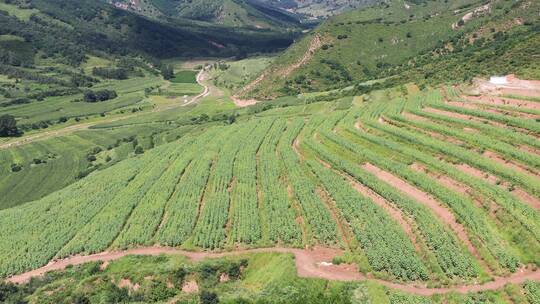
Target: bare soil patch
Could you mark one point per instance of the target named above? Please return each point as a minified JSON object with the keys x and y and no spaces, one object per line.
{"x":503,"y":101}
{"x":243,"y":102}
{"x":529,"y":149}
{"x":514,"y":86}
{"x":390,"y":209}
{"x":445,"y":215}
{"x":511,"y":164}
{"x":190,"y":287}
{"x":492,"y":179}
{"x":126,"y":283}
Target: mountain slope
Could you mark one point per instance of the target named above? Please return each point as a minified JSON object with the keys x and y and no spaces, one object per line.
{"x":45,"y":44}
{"x":317,"y":9}
{"x":234,"y":13}
{"x":382,"y":40}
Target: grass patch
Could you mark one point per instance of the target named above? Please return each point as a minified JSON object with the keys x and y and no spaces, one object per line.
{"x":185,"y":77}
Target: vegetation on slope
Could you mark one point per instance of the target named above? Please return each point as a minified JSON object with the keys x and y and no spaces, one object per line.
{"x":428,"y":41}
{"x":235,"y":13}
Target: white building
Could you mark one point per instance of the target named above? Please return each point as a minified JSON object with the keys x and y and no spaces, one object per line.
{"x":498,"y":80}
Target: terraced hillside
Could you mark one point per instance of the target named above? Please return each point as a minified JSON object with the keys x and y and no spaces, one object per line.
{"x":433,"y":187}
{"x":427,"y":42}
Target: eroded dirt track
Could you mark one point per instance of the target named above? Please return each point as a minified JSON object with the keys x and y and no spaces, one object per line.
{"x":310,"y":263}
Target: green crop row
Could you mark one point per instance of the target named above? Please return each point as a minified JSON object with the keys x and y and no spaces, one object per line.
{"x":509,"y":135}
{"x":99,"y":233}
{"x":182,"y":210}
{"x":211,"y":228}
{"x":386,"y":246}
{"x":476,"y":139}
{"x":35,"y":232}
{"x":462,"y":206}
{"x":246,"y":222}
{"x":320,"y":221}
{"x":452,"y":257}
{"x":278,"y":211}
{"x":527,"y":124}
{"x":522,"y":220}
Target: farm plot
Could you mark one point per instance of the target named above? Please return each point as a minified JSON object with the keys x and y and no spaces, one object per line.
{"x":412,"y":195}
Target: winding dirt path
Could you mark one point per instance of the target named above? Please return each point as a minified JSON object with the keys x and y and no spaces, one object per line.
{"x":283,"y":72}
{"x":84,"y":126}
{"x":310,"y":263}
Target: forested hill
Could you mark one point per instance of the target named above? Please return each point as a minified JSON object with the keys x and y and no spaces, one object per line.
{"x":234,"y":13}
{"x":71,"y":28}
{"x":424,"y":41}
{"x":49,"y":49}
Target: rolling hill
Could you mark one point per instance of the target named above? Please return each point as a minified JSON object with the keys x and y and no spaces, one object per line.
{"x":404,"y":39}
{"x":234,"y":13}
{"x":317,"y":9}
{"x":48,"y":48}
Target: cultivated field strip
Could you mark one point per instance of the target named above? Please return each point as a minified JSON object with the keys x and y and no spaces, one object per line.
{"x":277,"y":210}
{"x":317,"y":216}
{"x":182,"y":209}
{"x":477,"y":140}
{"x":146,"y":216}
{"x":452,"y":258}
{"x":414,"y":195}
{"x":525,"y":124}
{"x":98,"y":234}
{"x":246,"y":221}
{"x":517,"y":211}
{"x":462,"y":206}
{"x":211,"y":228}
{"x":508,"y":135}
{"x":529,"y":183}
{"x":386,"y":246}
{"x":33,"y":233}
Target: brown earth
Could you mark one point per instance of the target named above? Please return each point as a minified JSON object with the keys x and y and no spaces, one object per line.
{"x":511,"y":164}
{"x":310,"y":263}
{"x":442,"y":213}
{"x":515,"y":86}
{"x":503,"y":101}
{"x":190,"y":287}
{"x":490,"y":178}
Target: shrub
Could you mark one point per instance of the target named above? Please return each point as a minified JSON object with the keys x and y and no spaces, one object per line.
{"x":208,"y":297}
{"x":16,"y":168}
{"x":97,"y":96}
{"x":139,"y":150}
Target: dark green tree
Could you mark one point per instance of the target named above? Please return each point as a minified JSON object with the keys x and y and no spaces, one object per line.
{"x":208,"y":297}
{"x":167,"y":71}
{"x":8,"y":126}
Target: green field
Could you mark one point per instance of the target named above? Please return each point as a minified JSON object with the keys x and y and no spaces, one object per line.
{"x":154,"y":198}
{"x":178,"y":153}
{"x":185,"y":77}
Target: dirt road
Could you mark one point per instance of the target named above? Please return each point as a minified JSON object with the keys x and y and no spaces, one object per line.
{"x":310,"y":263}
{"x":84,"y":126}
